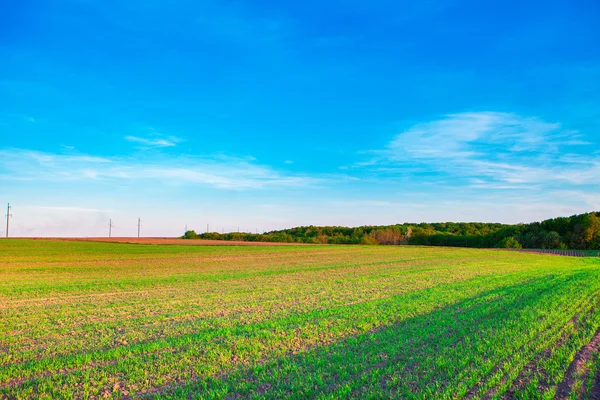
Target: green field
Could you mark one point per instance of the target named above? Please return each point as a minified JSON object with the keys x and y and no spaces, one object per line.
{"x":106,"y":320}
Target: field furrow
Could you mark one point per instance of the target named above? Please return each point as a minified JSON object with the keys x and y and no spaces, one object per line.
{"x":113,"y":320}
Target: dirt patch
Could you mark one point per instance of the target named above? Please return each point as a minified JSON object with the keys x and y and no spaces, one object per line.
{"x":564,"y":253}
{"x":520,"y":382}
{"x":595,"y":395}
{"x":577,"y":366}
{"x":175,"y":241}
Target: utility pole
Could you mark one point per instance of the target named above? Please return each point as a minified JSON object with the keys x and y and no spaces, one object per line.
{"x":110,"y":226}
{"x":139,"y":226}
{"x":8,"y":215}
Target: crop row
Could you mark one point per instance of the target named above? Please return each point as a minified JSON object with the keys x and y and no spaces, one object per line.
{"x":90,"y":320}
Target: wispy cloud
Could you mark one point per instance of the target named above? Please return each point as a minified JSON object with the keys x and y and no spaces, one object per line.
{"x":499,"y":150}
{"x":590,"y":199}
{"x":477,"y":134}
{"x":219,"y":171}
{"x":375,"y":204}
{"x":66,"y":208}
{"x":156,"y":141}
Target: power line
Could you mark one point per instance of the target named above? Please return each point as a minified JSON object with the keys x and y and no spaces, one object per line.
{"x":8,"y":216}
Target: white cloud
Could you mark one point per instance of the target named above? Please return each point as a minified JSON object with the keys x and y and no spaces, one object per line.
{"x":171,"y":141}
{"x":220,"y":172}
{"x":502,"y":149}
{"x":375,"y":204}
{"x":590,"y":200}
{"x":482,"y":184}
{"x":446,"y":138}
{"x":66,"y":208}
{"x":476,"y":133}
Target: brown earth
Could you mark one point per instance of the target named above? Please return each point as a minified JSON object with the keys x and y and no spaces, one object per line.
{"x":595,"y":395}
{"x":577,"y":366}
{"x":177,"y":241}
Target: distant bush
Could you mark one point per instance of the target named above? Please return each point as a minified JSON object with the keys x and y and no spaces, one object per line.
{"x":322,"y":239}
{"x":509,"y":243}
{"x":190,"y":235}
{"x":368,"y":239}
{"x":388,"y":236}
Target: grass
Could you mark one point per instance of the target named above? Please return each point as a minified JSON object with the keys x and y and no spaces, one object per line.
{"x":107,"y":320}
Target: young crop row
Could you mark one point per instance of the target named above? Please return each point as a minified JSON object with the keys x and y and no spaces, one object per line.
{"x":91,"y":320}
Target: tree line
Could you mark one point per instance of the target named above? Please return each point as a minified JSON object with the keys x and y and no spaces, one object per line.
{"x":578,"y":232}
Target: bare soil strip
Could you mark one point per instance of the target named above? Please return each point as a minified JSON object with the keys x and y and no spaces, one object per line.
{"x":177,"y":241}
{"x":577,"y":367}
{"x":551,"y":332}
{"x":595,"y":395}
{"x":564,"y":253}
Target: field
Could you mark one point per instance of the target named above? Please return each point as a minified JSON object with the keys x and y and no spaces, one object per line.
{"x":113,"y":320}
{"x":176,"y":241}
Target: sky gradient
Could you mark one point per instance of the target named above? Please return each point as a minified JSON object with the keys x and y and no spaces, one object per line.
{"x":267,"y":115}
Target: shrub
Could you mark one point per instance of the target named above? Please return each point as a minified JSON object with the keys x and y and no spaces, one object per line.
{"x":368,"y":239}
{"x":190,"y":235}
{"x":510,"y":243}
{"x":390,"y":236}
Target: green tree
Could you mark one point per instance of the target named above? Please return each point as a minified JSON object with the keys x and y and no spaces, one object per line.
{"x":190,"y":235}
{"x":550,"y":240}
{"x":590,"y":229}
{"x":510,"y":243}
{"x":368,"y":239}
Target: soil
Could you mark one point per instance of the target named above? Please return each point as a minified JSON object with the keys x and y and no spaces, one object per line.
{"x":176,"y":241}
{"x":577,"y":365}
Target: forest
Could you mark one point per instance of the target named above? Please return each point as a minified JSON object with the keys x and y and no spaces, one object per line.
{"x":578,"y":232}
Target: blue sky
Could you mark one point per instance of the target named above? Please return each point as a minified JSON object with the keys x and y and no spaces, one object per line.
{"x":268,"y":115}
